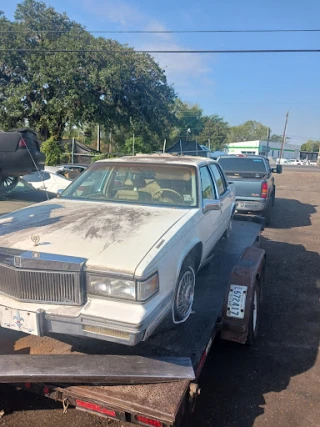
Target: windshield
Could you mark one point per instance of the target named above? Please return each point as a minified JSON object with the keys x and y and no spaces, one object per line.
{"x":137,"y":184}
{"x":242,"y":164}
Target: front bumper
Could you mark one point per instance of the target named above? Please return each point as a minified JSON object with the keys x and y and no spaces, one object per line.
{"x":67,"y":320}
{"x":250,"y":206}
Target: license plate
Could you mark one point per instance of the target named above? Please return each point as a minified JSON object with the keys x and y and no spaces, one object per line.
{"x":19,"y":320}
{"x":237,"y":301}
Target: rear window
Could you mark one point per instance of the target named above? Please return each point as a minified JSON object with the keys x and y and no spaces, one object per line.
{"x":242,"y":164}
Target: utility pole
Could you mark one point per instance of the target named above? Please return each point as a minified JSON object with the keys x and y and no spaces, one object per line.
{"x":268,"y":142}
{"x":98,"y":139}
{"x":133,"y":144}
{"x":284,"y":136}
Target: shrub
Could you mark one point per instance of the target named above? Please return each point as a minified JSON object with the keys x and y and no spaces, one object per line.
{"x":53,"y":151}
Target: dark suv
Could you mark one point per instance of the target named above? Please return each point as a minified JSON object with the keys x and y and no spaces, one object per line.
{"x":19,"y":155}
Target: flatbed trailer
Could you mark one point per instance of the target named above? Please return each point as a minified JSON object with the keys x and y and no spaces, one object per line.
{"x":227,"y":299}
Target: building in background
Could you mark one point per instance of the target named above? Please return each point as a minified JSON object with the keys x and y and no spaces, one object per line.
{"x":290,"y":151}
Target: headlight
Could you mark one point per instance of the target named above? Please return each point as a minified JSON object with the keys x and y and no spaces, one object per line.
{"x":149,"y":287}
{"x":111,"y":287}
{"x":120,"y":288}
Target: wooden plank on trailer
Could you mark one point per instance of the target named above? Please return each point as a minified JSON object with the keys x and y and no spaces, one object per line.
{"x":93,"y":369}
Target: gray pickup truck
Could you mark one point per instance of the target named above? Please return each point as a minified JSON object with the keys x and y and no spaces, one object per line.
{"x":254,"y":182}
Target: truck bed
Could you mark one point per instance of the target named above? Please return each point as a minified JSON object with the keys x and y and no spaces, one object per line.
{"x":162,"y":401}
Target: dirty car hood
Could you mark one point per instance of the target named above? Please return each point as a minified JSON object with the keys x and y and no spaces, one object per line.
{"x":109,"y":236}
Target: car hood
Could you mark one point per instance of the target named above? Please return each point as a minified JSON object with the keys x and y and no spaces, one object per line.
{"x":110,"y":236}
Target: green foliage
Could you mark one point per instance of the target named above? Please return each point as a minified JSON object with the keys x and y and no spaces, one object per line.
{"x":251,"y":131}
{"x":215,"y":130}
{"x":311,"y":146}
{"x":114,"y":87}
{"x":53,"y":151}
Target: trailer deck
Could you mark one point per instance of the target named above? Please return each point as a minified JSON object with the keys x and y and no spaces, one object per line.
{"x":164,"y":402}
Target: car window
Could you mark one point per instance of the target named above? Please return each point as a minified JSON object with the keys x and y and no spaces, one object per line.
{"x":150,"y":184}
{"x":242,"y":164}
{"x":219,"y":178}
{"x":207,"y":187}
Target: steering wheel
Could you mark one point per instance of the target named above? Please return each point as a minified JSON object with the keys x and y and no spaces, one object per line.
{"x":161,"y":190}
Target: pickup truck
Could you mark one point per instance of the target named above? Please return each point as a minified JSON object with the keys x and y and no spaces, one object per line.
{"x":254,"y":183}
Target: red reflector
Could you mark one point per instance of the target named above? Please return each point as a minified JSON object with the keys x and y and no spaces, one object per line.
{"x":264,"y":190}
{"x":46,"y":390}
{"x":27,"y":385}
{"x":22,"y":143}
{"x":95,"y":408}
{"x":148,"y":421}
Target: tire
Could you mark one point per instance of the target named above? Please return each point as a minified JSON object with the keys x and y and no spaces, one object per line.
{"x":184,"y":294}
{"x":273,"y":198}
{"x":253,"y":327}
{"x":227,"y":232}
{"x":267,"y":213}
{"x":8,"y":184}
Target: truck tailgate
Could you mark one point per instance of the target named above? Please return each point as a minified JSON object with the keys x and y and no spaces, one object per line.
{"x":247,"y":188}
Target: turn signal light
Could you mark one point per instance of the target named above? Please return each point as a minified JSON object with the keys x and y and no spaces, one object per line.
{"x":264,"y":190}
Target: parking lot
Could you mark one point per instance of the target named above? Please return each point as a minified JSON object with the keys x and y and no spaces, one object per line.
{"x":275,"y":383}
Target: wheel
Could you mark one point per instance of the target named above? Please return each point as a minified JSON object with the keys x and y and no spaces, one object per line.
{"x":267,"y":213}
{"x":184,"y":295}
{"x":253,"y":327}
{"x":227,"y":232}
{"x":8,"y":183}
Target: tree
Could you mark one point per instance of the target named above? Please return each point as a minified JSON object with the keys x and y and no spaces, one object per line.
{"x":102,"y":82}
{"x":216,"y":130}
{"x":252,"y":131}
{"x":248,"y":131}
{"x":311,"y":146}
{"x":188,"y":123}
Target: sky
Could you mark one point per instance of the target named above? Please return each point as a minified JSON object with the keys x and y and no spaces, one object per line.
{"x":238,"y":87}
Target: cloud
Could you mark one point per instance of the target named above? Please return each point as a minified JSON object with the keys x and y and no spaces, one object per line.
{"x":190,"y":73}
{"x":117,"y":12}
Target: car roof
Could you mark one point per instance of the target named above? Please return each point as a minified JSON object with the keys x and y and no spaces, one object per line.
{"x":244,"y":156}
{"x":161,"y":159}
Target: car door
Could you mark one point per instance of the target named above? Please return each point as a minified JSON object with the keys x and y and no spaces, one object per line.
{"x":210,"y":224}
{"x":224,"y":193}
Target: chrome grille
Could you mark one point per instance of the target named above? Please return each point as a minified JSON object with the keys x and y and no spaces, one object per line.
{"x":41,"y":286}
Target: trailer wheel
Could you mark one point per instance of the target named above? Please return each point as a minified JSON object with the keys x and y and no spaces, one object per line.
{"x":253,"y":327}
{"x":184,"y":295}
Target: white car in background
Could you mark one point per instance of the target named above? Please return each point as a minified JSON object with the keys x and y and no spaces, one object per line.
{"x":118,"y":252}
{"x":51,"y":179}
{"x":296,"y":162}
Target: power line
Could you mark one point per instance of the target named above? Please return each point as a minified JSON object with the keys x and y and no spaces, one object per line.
{"x":287,"y":30}
{"x":38,"y":51}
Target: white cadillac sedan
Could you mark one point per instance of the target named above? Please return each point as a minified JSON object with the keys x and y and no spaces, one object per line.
{"x":117,"y":252}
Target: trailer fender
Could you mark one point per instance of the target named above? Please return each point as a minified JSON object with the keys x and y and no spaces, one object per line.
{"x":246,"y":274}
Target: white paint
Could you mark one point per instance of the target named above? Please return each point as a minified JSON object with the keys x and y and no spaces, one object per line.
{"x":121,"y":238}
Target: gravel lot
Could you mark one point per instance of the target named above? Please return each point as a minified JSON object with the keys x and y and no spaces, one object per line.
{"x":275,"y":383}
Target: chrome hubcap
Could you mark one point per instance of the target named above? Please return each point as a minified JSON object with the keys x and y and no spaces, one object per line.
{"x":185,"y":293}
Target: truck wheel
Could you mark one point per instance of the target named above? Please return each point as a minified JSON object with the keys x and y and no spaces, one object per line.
{"x":8,"y":183}
{"x":267,"y":213}
{"x":184,"y":295}
{"x":253,"y":327}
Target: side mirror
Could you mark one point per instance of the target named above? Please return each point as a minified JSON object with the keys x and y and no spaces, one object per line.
{"x":212,"y":205}
{"x":59,"y":192}
{"x":277,"y":169}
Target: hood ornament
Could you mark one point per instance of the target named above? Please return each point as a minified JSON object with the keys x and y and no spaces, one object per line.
{"x":35,"y":239}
